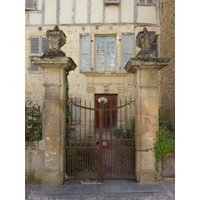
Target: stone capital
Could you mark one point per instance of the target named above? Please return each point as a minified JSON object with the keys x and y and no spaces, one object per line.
{"x":57,"y":62}
{"x":149,"y":63}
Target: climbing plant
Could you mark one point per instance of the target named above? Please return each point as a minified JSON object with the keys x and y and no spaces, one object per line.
{"x":165,"y":143}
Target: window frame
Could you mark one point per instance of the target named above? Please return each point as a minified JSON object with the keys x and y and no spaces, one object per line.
{"x":95,"y":52}
{"x":156,"y":38}
{"x":36,"y":6}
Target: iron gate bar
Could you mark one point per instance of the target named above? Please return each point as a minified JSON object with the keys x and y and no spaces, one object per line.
{"x":89,"y":154}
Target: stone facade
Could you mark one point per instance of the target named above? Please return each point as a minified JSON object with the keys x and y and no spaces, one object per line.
{"x":167,"y":50}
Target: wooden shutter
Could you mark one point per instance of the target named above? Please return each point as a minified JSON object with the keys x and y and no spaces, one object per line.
{"x":85,"y":53}
{"x":75,"y":118}
{"x":30,"y":4}
{"x":45,"y":45}
{"x":127,"y":48}
{"x":149,"y":1}
{"x":34,"y":51}
{"x":141,"y":1}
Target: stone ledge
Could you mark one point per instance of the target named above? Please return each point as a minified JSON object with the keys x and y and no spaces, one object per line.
{"x":148,"y":63}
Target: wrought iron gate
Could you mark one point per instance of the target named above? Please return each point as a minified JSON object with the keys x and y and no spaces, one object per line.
{"x":98,"y":147}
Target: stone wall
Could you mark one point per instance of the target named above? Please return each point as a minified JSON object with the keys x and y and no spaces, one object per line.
{"x":167,"y":50}
{"x":34,"y":162}
{"x":81,"y":83}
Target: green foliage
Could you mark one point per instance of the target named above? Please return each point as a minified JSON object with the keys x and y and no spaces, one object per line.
{"x":163,"y":122}
{"x":33,"y":117}
{"x":67,"y":110}
{"x":130,"y":134}
{"x":165,"y":143}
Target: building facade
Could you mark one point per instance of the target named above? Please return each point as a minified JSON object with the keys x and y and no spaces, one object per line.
{"x":101,"y":38}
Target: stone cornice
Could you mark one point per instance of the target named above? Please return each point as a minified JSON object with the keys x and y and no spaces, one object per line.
{"x":105,"y":73}
{"x":149,"y":63}
{"x":56,"y":62}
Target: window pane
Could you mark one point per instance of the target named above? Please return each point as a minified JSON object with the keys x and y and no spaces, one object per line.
{"x":105,"y":54}
{"x":110,"y":54}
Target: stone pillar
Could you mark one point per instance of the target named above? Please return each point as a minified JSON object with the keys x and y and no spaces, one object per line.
{"x":146,"y":113}
{"x":54,"y":64}
{"x":54,"y":116}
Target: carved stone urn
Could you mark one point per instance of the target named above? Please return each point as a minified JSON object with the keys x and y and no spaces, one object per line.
{"x":57,"y":39}
{"x":144,"y":40}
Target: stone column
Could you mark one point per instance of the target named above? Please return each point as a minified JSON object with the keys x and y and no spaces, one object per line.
{"x":54,"y":64}
{"x":146,"y":113}
{"x":54,"y":116}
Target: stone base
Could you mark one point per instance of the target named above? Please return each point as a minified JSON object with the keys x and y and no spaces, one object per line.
{"x":148,"y":176}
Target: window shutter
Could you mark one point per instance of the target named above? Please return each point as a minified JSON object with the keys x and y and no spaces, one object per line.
{"x":141,"y":1}
{"x":30,"y":4}
{"x":75,"y":118}
{"x":149,"y":1}
{"x":34,"y":51}
{"x":127,"y":48}
{"x":45,"y":45}
{"x":85,"y":53}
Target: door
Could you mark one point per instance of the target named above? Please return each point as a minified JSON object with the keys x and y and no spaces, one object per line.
{"x":109,"y":117}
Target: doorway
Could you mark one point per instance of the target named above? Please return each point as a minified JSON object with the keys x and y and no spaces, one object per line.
{"x":109,"y":117}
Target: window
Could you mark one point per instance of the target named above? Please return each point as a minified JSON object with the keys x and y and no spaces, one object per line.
{"x":111,"y":2}
{"x":38,"y":45}
{"x":75,"y":111}
{"x":145,"y":2}
{"x":154,"y":46}
{"x":105,"y":54}
{"x":30,"y":4}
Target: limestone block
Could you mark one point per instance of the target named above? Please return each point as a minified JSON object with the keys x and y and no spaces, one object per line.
{"x":51,"y":126}
{"x":42,"y":144}
{"x":149,"y":77}
{"x":149,"y":107}
{"x":148,"y":176}
{"x":51,"y":108}
{"x":148,"y":92}
{"x":51,"y":178}
{"x":52,"y":92}
{"x":148,"y":160}
{"x":51,"y":161}
{"x":52,"y":143}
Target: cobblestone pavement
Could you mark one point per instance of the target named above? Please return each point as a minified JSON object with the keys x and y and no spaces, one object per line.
{"x":115,"y":189}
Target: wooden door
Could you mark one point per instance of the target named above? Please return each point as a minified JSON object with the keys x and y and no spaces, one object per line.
{"x":109,"y":117}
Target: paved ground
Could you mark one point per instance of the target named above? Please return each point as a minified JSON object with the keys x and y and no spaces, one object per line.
{"x":115,"y":189}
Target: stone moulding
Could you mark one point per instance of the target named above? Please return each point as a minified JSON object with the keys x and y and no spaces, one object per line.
{"x":55,"y":62}
{"x":148,"y":63}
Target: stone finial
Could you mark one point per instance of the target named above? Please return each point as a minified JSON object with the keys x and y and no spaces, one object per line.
{"x":57,"y":39}
{"x":144,"y":40}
